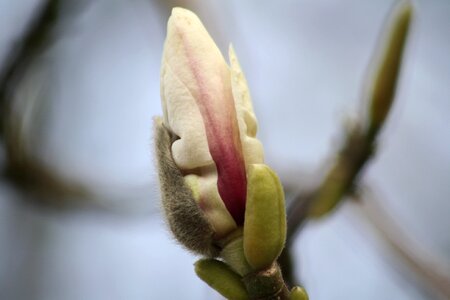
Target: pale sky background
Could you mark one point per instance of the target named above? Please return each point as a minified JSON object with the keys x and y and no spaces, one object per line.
{"x":305,"y":62}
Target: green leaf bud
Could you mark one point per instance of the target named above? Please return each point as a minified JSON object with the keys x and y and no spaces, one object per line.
{"x":221,"y":278}
{"x":265,"y":217}
{"x":382,"y":91}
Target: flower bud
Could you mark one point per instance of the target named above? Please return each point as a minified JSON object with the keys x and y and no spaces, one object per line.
{"x":208,"y":111}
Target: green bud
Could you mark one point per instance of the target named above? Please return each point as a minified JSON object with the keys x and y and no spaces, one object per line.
{"x":385,"y":80}
{"x":221,"y":278}
{"x":186,"y":220}
{"x":298,"y":293}
{"x":265,"y":217}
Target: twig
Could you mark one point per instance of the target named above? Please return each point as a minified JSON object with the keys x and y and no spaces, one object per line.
{"x":360,"y":141}
{"x":339,"y":182}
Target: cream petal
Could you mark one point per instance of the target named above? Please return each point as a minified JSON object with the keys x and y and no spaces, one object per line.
{"x":191,"y":52}
{"x":183,"y":118}
{"x":248,"y":125}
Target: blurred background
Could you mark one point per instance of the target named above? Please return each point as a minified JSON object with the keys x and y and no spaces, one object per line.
{"x":79,"y":203}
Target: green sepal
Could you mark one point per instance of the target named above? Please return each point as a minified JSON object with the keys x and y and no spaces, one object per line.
{"x":298,"y":293}
{"x":221,"y":278}
{"x":265,"y":217}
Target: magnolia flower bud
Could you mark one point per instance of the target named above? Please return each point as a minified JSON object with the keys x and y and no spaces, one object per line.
{"x":210,"y":163}
{"x":207,"y":107}
{"x":219,"y":198}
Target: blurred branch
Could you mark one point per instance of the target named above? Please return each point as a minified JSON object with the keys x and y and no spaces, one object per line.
{"x":435,"y":272}
{"x":338,"y":183}
{"x":20,"y":57}
{"x":360,"y":140}
{"x":21,"y":168}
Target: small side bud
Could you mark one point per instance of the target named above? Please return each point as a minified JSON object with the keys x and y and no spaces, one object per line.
{"x":186,"y":220}
{"x":265,"y":217}
{"x":221,"y":278}
{"x":298,"y":293}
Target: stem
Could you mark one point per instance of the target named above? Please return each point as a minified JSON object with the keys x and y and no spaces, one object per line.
{"x":339,"y":182}
{"x":267,"y":284}
{"x":287,"y":263}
